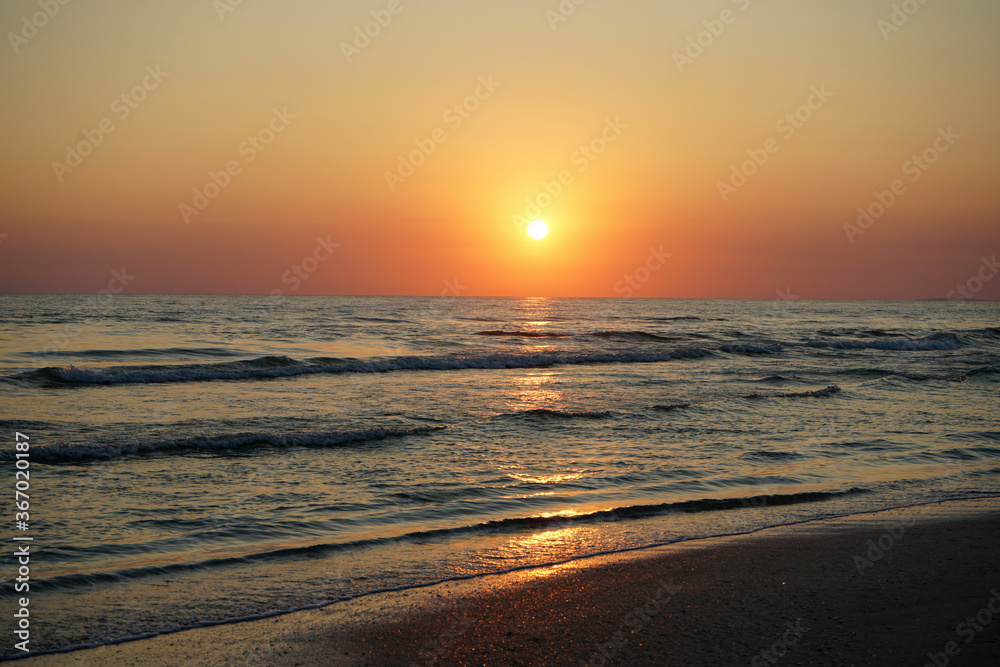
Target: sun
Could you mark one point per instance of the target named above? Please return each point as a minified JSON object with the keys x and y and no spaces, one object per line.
{"x":538,"y":229}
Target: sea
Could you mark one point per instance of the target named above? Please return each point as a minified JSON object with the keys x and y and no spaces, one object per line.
{"x":197,"y":460}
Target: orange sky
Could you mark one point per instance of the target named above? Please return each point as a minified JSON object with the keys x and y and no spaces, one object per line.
{"x":304,"y":124}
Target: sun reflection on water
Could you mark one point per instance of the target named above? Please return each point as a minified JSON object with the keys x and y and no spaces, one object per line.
{"x":534,"y":390}
{"x":546,"y":479}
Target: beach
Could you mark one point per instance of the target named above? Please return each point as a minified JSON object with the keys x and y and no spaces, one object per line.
{"x":795,"y":595}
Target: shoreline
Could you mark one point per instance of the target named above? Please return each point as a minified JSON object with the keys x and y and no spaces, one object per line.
{"x":828,"y":591}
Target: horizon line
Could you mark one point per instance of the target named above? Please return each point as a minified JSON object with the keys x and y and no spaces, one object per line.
{"x":459,"y":296}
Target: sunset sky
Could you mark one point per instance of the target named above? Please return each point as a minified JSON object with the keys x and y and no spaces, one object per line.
{"x":406,"y":162}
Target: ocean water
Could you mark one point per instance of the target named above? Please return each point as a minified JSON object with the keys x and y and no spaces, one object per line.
{"x":201,"y":459}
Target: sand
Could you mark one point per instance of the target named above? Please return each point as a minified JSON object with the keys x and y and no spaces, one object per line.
{"x":888,"y":588}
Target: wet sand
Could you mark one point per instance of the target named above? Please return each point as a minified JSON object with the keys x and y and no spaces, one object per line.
{"x":914,"y":586}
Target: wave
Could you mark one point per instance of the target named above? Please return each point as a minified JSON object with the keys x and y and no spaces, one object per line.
{"x":283,"y":366}
{"x":632,"y":335}
{"x":237,"y":443}
{"x":944,"y":341}
{"x":499,"y":526}
{"x":672,"y":407}
{"x":522,"y":334}
{"x":380,"y":320}
{"x":752,"y":349}
{"x":961,"y":335}
{"x":874,"y":333}
{"x":770,"y":455}
{"x":145,"y":352}
{"x":277,"y":367}
{"x":562,"y":414}
{"x":774,"y":379}
{"x":615,"y":334}
{"x":817,"y":393}
{"x":976,"y":435}
{"x":882,"y":373}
